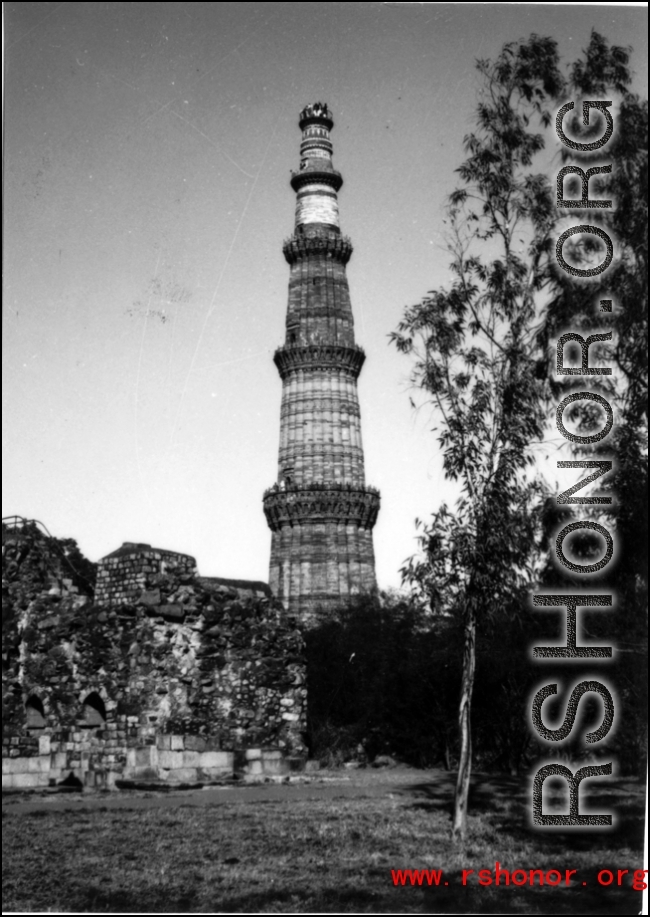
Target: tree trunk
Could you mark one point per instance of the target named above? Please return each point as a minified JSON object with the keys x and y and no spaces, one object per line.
{"x":447,"y":755}
{"x":459,"y":826}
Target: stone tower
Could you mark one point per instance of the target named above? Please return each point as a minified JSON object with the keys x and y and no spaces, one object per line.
{"x":320,"y":511}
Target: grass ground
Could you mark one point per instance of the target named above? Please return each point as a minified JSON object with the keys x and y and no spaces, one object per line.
{"x":332,"y":853}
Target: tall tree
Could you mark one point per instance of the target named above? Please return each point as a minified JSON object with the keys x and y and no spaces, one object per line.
{"x":477,"y":360}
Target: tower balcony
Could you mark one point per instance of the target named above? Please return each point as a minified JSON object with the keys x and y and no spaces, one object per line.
{"x":319,"y":356}
{"x":316,"y":113}
{"x":328,"y":243}
{"x":318,"y":175}
{"x":328,"y":502}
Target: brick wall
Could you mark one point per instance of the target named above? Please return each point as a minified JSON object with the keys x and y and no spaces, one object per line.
{"x":122,"y":575}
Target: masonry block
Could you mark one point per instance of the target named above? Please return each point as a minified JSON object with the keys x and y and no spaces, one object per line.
{"x":183,"y":775}
{"x":214,"y":773}
{"x":142,"y":756}
{"x":146,"y":756}
{"x":110,"y":778}
{"x":170,"y":759}
{"x":28,"y":781}
{"x":212,"y":743}
{"x":274,"y":763}
{"x":141,"y":773}
{"x":224,"y":760}
{"x":25,"y":765}
{"x":273,"y":754}
{"x":39,"y":764}
{"x":196,"y":743}
{"x":172,"y":611}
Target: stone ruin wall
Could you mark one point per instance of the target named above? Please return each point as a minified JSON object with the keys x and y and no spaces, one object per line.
{"x":169,"y":680}
{"x":123,"y":575}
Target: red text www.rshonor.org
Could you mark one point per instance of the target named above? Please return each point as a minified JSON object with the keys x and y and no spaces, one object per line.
{"x":500,"y":876}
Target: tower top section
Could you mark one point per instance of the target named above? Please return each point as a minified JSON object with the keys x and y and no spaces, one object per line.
{"x":316,"y":182}
{"x":316,"y":113}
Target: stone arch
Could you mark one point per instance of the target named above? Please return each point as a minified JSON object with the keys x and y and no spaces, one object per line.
{"x":35,"y":713}
{"x":93,"y":711}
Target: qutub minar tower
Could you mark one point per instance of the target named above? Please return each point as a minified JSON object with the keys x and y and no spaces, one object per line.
{"x":320,"y":511}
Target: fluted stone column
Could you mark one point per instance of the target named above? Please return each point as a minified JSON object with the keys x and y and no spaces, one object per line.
{"x":320,"y":511}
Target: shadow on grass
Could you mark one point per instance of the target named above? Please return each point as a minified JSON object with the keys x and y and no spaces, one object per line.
{"x":454,"y":898}
{"x":576,"y":899}
{"x":296,"y":899}
{"x":93,"y":899}
{"x":507,"y":801}
{"x":289,"y":899}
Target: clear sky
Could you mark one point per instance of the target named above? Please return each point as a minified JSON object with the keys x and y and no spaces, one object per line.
{"x":147,"y":156}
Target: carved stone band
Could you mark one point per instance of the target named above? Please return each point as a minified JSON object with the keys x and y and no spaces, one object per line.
{"x":319,"y":356}
{"x":332,"y":244}
{"x":312,"y":505}
{"x":316,"y":176}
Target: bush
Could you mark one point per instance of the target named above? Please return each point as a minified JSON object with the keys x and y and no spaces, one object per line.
{"x":382,"y":679}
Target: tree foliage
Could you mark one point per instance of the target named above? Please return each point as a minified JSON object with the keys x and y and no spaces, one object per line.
{"x":384,"y":677}
{"x":373,"y":689}
{"x":33,"y":561}
{"x":474,"y":357}
{"x":575,"y":306}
